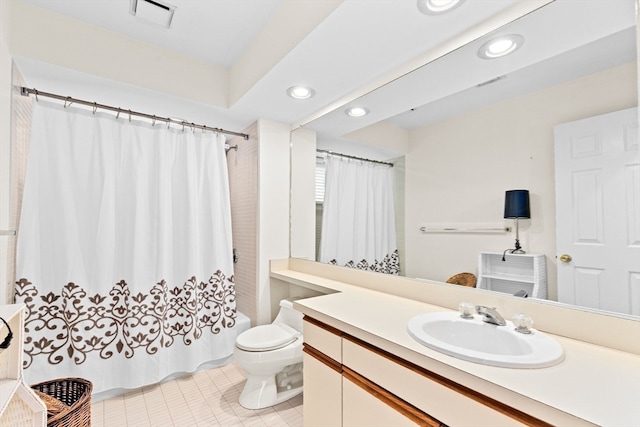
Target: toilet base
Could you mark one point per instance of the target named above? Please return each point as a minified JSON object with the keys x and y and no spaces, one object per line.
{"x":262,"y":391}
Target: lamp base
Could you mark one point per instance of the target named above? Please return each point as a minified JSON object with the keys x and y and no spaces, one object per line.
{"x":512,"y":251}
{"x":516,"y":251}
{"x":518,"y":248}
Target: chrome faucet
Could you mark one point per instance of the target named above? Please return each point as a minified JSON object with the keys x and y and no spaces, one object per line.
{"x":490,"y":315}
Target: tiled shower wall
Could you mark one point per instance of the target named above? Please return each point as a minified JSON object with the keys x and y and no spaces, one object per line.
{"x":243,"y":185}
{"x":20,"y":129}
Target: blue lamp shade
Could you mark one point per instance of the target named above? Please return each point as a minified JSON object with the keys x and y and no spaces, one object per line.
{"x":516,"y":204}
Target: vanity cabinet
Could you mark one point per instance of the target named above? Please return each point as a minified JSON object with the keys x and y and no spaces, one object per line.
{"x":322,"y":371}
{"x":19,"y":405}
{"x":380,"y":389}
{"x":527,"y":272}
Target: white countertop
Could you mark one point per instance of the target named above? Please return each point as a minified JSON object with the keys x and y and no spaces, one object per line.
{"x":593,"y":383}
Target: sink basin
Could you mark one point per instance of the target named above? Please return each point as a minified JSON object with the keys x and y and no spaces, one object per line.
{"x":480,"y":342}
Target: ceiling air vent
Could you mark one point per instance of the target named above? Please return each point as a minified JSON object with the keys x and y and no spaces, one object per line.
{"x":155,"y":11}
{"x":488,"y":82}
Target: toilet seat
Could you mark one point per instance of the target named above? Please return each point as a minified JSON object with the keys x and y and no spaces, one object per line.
{"x":267,"y":337}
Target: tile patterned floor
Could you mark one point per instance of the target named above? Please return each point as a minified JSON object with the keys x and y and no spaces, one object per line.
{"x":204,"y":399}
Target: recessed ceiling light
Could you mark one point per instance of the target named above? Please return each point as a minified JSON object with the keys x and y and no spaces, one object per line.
{"x":300,"y":92}
{"x":155,"y":11}
{"x":434,"y":7}
{"x":500,"y":46}
{"x":357,"y":111}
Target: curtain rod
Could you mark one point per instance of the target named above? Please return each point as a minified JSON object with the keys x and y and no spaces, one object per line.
{"x":69,"y":100}
{"x":354,"y":157}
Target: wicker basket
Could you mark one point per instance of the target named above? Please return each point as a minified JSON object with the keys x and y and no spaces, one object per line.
{"x":74,"y":392}
{"x":463,"y":279}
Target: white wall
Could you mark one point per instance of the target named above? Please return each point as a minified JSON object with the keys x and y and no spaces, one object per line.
{"x":459,"y":169}
{"x":303,"y":205}
{"x":273,"y":209}
{"x":384,"y":135}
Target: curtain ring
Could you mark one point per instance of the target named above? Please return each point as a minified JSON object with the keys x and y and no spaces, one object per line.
{"x":153,"y":120}
{"x":66,"y":100}
{"x":118,"y":115}
{"x":193,"y":127}
{"x":95,"y":108}
{"x":36,"y":92}
{"x":129,"y":115}
{"x":183,"y":126}
{"x":168,"y":123}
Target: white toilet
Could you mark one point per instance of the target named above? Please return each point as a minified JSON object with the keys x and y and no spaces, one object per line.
{"x":271,"y":356}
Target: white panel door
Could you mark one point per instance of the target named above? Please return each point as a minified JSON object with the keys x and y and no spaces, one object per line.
{"x":598,"y":212}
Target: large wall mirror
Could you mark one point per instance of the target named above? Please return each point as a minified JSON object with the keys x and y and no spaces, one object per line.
{"x":462,"y":130}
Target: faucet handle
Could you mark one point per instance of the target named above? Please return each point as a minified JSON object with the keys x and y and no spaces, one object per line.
{"x":523,"y":323}
{"x":466,"y":310}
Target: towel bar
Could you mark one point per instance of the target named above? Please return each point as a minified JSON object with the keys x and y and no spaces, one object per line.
{"x":465,"y":230}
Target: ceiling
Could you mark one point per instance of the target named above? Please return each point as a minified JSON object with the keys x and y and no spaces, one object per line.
{"x":216,"y":31}
{"x":563,"y":41}
{"x":356,"y":44}
{"x":350,"y":51}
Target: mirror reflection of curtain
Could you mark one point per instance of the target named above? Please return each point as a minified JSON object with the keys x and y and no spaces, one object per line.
{"x":358,"y":221}
{"x":124,"y":249}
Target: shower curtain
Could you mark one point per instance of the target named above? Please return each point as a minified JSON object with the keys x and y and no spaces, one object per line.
{"x":358,"y":219}
{"x":124,"y":249}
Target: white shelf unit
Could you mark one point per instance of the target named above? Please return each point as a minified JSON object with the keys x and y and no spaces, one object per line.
{"x":527,"y":272}
{"x":19,"y":405}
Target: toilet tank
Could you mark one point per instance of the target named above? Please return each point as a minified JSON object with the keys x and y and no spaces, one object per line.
{"x":288,"y":315}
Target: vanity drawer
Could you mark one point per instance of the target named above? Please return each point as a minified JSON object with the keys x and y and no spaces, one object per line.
{"x":365,"y":408}
{"x":323,"y":338}
{"x":440,"y":401}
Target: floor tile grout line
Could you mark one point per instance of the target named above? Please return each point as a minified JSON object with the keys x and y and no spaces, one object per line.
{"x":179,"y":400}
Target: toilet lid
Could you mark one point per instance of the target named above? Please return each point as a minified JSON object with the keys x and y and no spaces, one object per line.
{"x":267,"y":337}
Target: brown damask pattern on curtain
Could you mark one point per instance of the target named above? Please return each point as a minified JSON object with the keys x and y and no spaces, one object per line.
{"x":120,"y":324}
{"x":390,"y":264}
